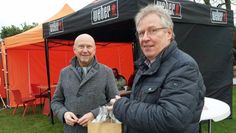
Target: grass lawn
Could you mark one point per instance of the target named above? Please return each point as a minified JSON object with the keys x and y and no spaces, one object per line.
{"x":31,"y":123}
{"x":38,"y":123}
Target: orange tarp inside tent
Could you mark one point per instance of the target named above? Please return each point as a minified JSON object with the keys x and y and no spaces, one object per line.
{"x":26,"y":57}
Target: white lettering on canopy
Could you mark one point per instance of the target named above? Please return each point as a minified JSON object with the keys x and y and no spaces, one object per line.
{"x":105,"y":12}
{"x":169,"y":6}
{"x":173,"y":8}
{"x":219,"y":16}
{"x":101,"y":13}
{"x":56,"y":26}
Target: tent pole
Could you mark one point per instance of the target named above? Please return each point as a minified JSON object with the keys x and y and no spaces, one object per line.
{"x":48,"y":76}
{"x":5,"y":70}
{"x":3,"y":78}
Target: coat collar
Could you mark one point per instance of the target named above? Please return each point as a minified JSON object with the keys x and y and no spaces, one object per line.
{"x":75,"y":63}
{"x":91,"y":72}
{"x":165,"y":53}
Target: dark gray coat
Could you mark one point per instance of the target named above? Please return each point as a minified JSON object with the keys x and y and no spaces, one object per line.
{"x":168,"y":97}
{"x":82,"y":96}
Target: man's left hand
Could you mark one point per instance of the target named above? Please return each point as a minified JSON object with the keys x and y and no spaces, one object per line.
{"x":83,"y":121}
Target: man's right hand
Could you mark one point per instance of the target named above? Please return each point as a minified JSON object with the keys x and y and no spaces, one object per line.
{"x":112,"y":102}
{"x":70,"y":118}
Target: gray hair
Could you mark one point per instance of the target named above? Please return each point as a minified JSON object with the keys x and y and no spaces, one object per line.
{"x":159,"y":11}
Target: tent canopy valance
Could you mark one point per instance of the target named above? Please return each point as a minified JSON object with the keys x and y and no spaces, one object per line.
{"x":112,"y":20}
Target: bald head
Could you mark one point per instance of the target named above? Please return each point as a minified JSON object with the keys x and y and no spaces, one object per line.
{"x":84,"y":37}
{"x":85,"y":49}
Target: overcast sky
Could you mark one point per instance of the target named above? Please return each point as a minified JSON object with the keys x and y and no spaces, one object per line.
{"x":16,"y":12}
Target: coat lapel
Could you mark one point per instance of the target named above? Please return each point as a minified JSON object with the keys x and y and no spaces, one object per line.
{"x":89,"y":75}
{"x":76,"y":73}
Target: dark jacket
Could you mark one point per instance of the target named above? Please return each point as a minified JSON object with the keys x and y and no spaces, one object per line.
{"x":82,"y":96}
{"x":168,"y":97}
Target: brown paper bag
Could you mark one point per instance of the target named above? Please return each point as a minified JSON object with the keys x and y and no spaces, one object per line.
{"x":104,"y":127}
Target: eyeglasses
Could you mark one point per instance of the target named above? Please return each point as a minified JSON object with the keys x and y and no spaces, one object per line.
{"x":150,"y":32}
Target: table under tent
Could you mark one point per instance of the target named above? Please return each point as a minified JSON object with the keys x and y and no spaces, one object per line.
{"x":203,"y":32}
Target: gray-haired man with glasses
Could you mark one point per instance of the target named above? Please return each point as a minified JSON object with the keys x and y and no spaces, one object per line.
{"x":168,"y":89}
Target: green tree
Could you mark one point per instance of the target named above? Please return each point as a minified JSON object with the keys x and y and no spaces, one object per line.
{"x":227,"y":3}
{"x":26,"y":27}
{"x":219,"y":3}
{"x":8,"y":31}
{"x":207,"y":2}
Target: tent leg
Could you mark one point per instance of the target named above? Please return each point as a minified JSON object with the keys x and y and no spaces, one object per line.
{"x":4,"y":105}
{"x":48,"y":76}
{"x":5,"y":74}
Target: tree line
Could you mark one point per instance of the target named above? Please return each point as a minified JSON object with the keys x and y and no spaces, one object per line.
{"x":8,"y":31}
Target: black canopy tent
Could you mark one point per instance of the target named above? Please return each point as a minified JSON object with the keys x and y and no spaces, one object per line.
{"x":203,"y":32}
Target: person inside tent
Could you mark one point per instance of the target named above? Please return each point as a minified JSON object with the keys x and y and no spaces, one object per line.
{"x":120,"y":79}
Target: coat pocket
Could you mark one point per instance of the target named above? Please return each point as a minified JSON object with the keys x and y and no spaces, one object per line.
{"x":151,"y":94}
{"x":150,"y":89}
